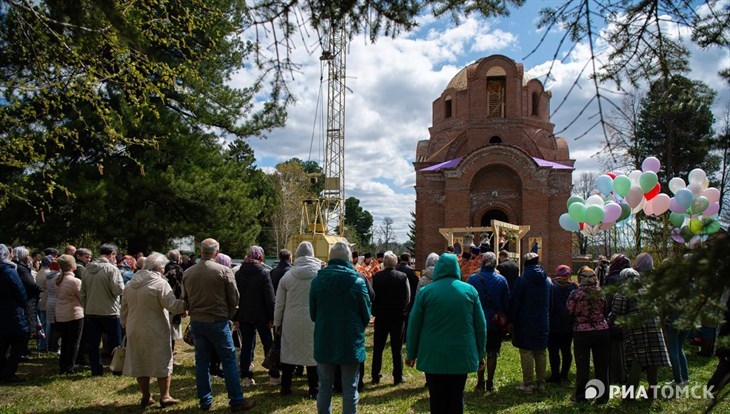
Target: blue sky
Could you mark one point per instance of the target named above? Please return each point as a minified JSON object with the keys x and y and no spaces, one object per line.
{"x":393,"y":83}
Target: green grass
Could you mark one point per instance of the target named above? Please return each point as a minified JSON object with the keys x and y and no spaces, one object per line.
{"x":46,"y":392}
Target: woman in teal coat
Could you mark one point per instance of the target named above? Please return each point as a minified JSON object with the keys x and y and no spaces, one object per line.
{"x":447,"y":335}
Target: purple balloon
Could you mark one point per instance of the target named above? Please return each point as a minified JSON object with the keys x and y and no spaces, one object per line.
{"x":713,"y":209}
{"x":611,"y":212}
{"x":676,"y":207}
{"x":651,"y":164}
{"x":676,"y":236}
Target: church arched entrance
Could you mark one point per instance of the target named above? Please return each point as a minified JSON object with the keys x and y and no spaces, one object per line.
{"x":493,"y":214}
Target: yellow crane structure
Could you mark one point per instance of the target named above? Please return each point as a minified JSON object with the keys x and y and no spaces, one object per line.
{"x":323,"y":219}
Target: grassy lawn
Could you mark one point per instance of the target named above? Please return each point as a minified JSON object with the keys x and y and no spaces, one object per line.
{"x":46,"y":392}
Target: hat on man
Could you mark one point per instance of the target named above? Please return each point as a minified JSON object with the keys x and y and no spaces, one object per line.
{"x":475,"y":250}
{"x":531,"y":258}
{"x":368,"y":255}
{"x":380,"y":255}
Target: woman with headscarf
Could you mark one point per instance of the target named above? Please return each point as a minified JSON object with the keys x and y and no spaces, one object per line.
{"x":644,"y":344}
{"x":147,"y":302}
{"x":292,"y":321}
{"x":127,"y":266}
{"x":431,"y":261}
{"x":255,"y":311}
{"x":446,"y":320}
{"x":617,"y":365}
{"x":587,"y":306}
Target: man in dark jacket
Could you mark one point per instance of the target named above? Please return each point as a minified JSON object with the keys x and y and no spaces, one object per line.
{"x":529,"y":313}
{"x":32,"y":290}
{"x":508,"y":269}
{"x":404,"y":266}
{"x":281,"y":268}
{"x":13,"y":325}
{"x":255,"y":311}
{"x":392,"y":296}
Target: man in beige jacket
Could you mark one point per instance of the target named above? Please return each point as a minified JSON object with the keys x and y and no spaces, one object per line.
{"x":210,"y":291}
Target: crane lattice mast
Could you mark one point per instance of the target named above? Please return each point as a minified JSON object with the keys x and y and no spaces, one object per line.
{"x":334,"y":165}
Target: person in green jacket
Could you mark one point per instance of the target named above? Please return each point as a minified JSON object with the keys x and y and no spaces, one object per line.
{"x":447,"y":335}
{"x":339,"y":306}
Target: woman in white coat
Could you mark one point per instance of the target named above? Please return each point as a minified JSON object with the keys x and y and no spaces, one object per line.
{"x":147,"y":302}
{"x":291,"y":319}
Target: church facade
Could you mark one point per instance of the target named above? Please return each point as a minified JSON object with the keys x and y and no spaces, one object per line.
{"x":492,"y":154}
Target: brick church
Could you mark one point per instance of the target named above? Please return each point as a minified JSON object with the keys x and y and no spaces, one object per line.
{"x":492,"y":154}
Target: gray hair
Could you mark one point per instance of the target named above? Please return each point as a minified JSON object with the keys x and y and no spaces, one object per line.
{"x":20,"y":253}
{"x":155,"y":261}
{"x":209,"y":247}
{"x":390,"y":260}
{"x":489,"y":259}
{"x":4,"y":252}
{"x":174,"y":256}
{"x":82,"y":251}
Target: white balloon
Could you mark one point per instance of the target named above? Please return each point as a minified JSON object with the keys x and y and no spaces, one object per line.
{"x":649,"y":207}
{"x":594,"y":200}
{"x":695,"y":188}
{"x":697,"y":176}
{"x":705,"y":184}
{"x":634,"y":176}
{"x":675,"y":184}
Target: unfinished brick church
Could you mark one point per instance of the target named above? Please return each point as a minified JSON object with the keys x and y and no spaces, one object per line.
{"x":492,"y":154}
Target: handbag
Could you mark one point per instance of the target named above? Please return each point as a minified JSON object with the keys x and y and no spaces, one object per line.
{"x":188,"y":336}
{"x":118,"y":354}
{"x":499,"y":318}
{"x":272,"y":361}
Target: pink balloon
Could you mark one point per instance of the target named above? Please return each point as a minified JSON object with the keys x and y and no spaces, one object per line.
{"x":611,"y":212}
{"x":634,"y":197}
{"x":712,"y":194}
{"x":606,"y":226}
{"x":713,"y":209}
{"x":651,"y":164}
{"x":661,"y":204}
{"x":649,"y":208}
{"x":676,"y":207}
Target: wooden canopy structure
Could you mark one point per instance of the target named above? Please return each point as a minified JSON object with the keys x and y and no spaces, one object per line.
{"x":500,"y":231}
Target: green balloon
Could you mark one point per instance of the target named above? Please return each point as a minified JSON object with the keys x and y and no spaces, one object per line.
{"x":712,"y":227}
{"x":625,"y":211}
{"x":677,"y":219}
{"x":696,"y":226}
{"x":575,"y":199}
{"x":594,"y":215}
{"x":648,"y":181}
{"x":621,"y":185}
{"x":577,"y":211}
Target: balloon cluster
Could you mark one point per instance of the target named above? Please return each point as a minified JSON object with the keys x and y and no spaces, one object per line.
{"x":694,"y":207}
{"x":620,"y":196}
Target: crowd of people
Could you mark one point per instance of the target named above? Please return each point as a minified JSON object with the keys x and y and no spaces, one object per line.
{"x":453,"y":319}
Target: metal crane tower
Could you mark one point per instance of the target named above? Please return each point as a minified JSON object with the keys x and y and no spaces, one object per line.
{"x":333,"y":195}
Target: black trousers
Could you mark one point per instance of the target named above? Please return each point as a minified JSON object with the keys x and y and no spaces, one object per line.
{"x":446,"y":393}
{"x":70,"y":341}
{"x":385,"y":326}
{"x":17,"y":344}
{"x":287,"y":372}
{"x":599,"y":344}
{"x":559,"y":346}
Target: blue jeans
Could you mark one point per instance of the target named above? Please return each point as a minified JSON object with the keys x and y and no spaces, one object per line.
{"x":95,"y":325}
{"x":675,"y":343}
{"x":210,"y":336}
{"x":248,"y":339}
{"x":350,"y":378}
